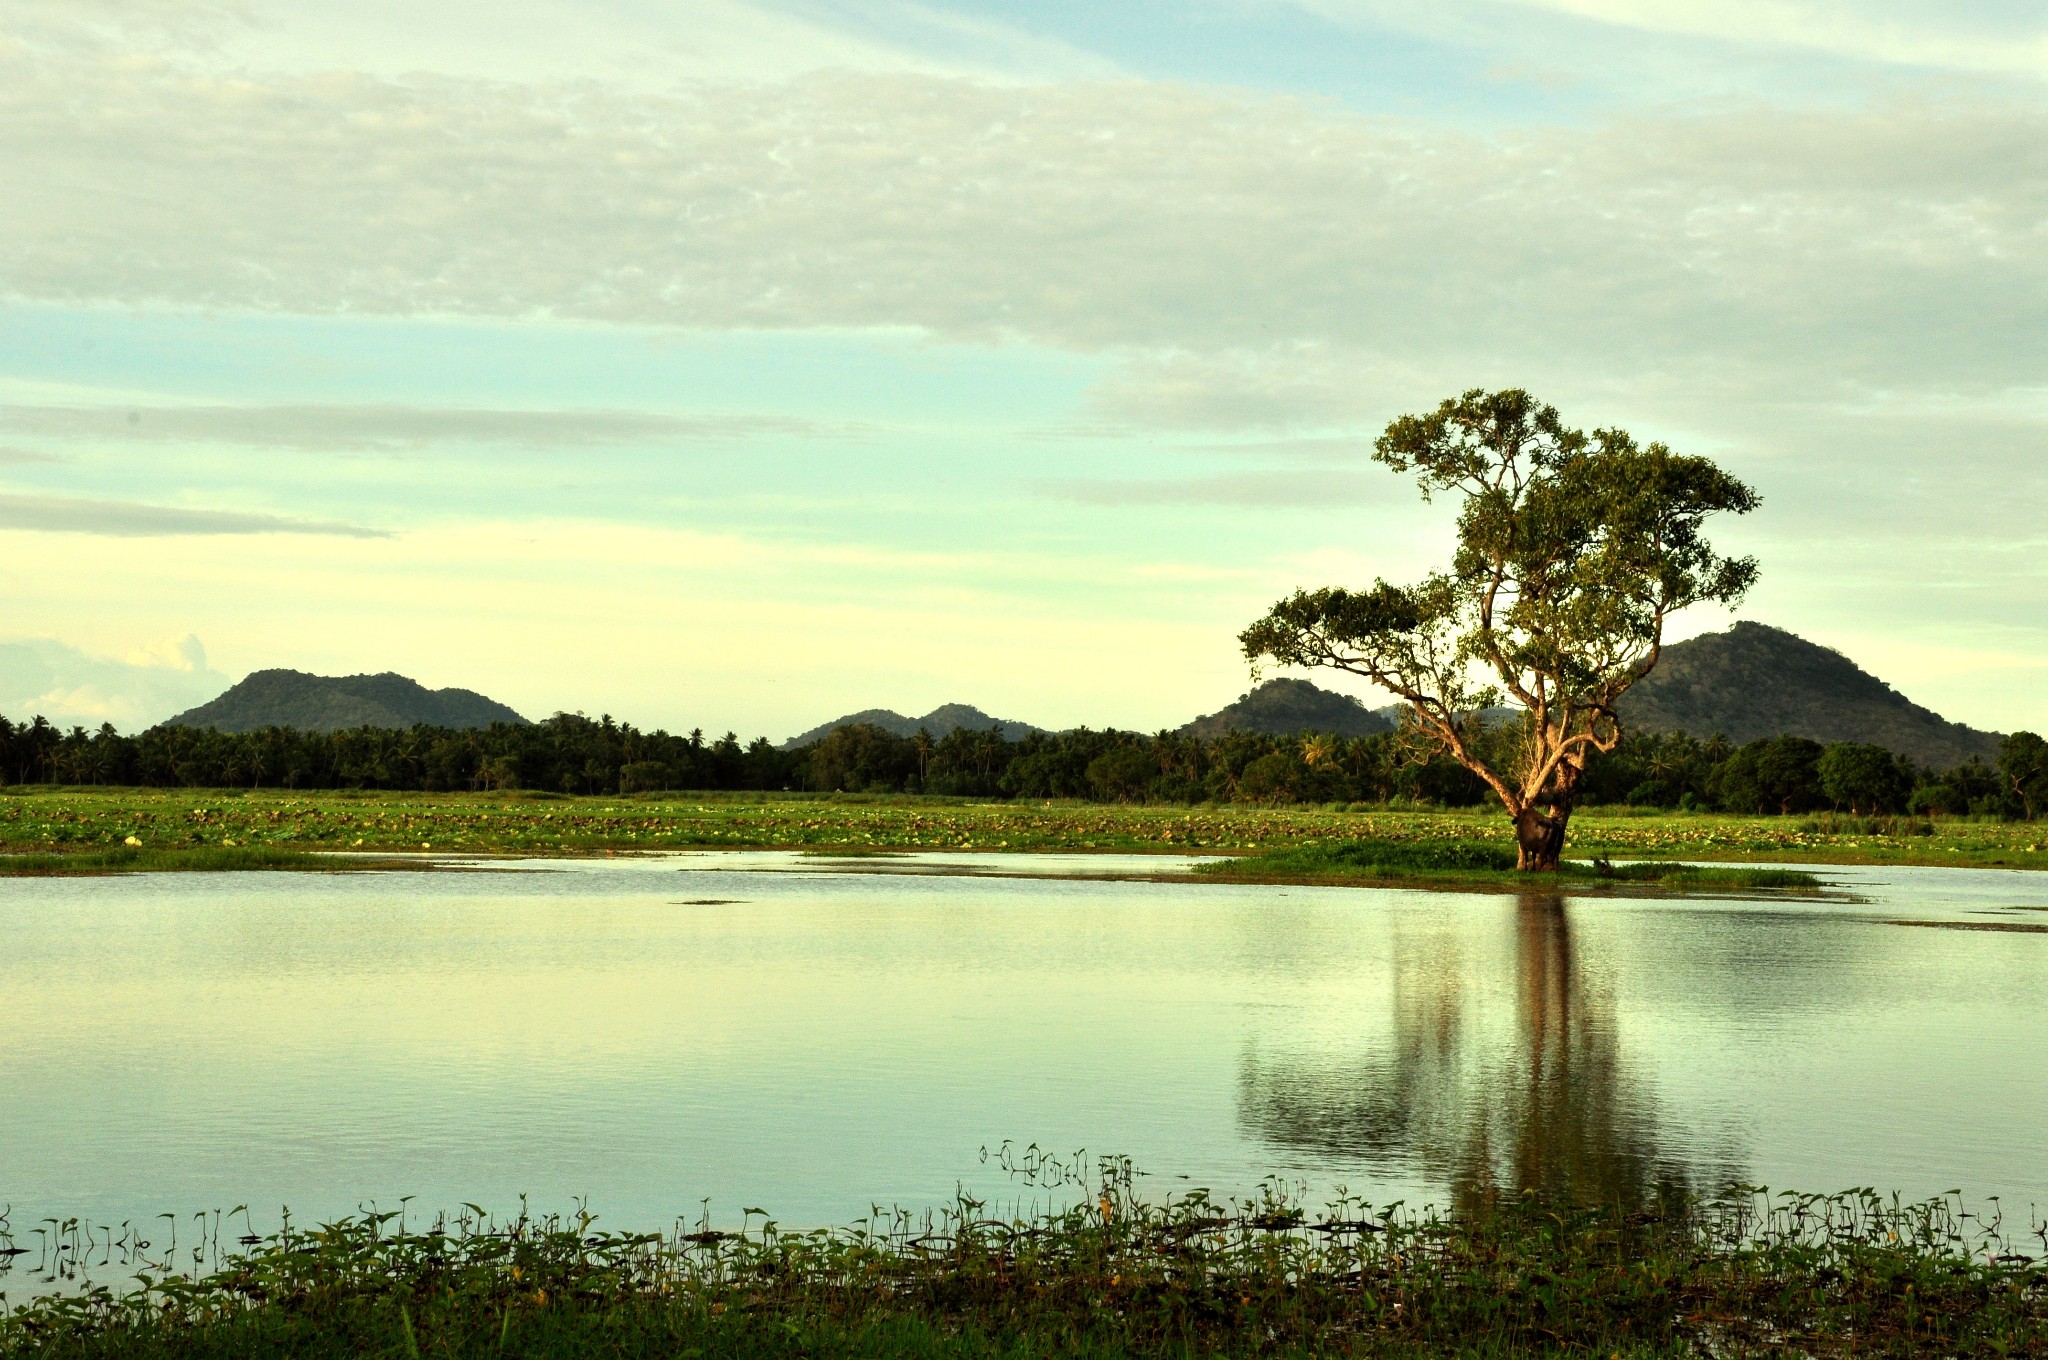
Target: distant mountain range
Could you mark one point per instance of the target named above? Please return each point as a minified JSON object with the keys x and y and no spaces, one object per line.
{"x":1752,"y":681}
{"x":1757,"y":681}
{"x":941,"y":720}
{"x":1283,"y":707}
{"x":1749,"y":682}
{"x":332,"y":703}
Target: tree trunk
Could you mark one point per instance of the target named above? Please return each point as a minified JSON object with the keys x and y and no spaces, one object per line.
{"x":1541,"y":840}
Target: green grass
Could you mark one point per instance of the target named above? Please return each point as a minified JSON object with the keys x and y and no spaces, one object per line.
{"x":41,"y":820}
{"x":1458,"y":863}
{"x":189,"y":859}
{"x":1698,"y":875}
{"x":1111,"y":1277}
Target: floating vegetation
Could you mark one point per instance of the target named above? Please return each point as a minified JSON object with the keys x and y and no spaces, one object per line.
{"x":190,"y":859}
{"x":1461,"y":863}
{"x":1112,"y":1275}
{"x":1727,"y":876}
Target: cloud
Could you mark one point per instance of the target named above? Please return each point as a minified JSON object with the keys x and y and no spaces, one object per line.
{"x":1987,"y":35}
{"x":127,"y":519}
{"x":617,"y":42}
{"x":178,"y":653}
{"x":1305,"y":489}
{"x":376,"y":427}
{"x":1669,"y":50}
{"x":1883,"y":247}
{"x":42,"y":676}
{"x":25,"y":457}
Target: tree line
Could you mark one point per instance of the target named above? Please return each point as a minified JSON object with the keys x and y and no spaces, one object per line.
{"x":573,"y":754}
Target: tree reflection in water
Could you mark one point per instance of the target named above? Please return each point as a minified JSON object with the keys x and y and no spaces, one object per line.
{"x":1546,"y":1106}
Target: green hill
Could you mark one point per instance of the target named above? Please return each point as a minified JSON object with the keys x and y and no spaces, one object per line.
{"x":1283,"y":707}
{"x":941,"y":720}
{"x":330,"y":703}
{"x":1756,"y":681}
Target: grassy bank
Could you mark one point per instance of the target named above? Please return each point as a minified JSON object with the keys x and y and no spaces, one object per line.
{"x":1112,"y":1277}
{"x":1450,"y":863}
{"x":129,"y":860}
{"x":43,"y":821}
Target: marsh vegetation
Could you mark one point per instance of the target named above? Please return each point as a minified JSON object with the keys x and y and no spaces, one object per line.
{"x":59,"y":821}
{"x":1115,"y":1274}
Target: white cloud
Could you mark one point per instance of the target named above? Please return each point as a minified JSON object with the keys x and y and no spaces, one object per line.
{"x":371,"y":426}
{"x":1290,"y":488}
{"x":1896,"y":246}
{"x":644,"y":45}
{"x":178,"y":653}
{"x":1980,"y":36}
{"x":131,"y":519}
{"x":42,"y":676}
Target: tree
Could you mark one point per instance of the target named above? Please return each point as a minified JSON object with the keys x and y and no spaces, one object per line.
{"x":1122,"y":774}
{"x":1573,"y":551}
{"x":2023,"y":761}
{"x":1863,"y":778}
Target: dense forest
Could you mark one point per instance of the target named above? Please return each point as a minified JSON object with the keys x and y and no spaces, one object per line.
{"x":573,"y":754}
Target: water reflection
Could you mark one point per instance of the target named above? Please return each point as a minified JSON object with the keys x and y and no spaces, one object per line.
{"x":1485,"y":1088}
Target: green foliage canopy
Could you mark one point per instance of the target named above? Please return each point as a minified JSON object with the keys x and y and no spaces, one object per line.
{"x":1573,"y":551}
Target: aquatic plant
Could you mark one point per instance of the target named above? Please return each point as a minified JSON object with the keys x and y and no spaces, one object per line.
{"x":1113,"y":1273}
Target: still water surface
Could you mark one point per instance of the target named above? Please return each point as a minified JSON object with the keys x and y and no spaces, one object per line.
{"x":762,"y":1030}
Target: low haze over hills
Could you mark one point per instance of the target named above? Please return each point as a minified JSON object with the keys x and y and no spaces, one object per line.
{"x":1756,"y":681}
{"x":1282,"y":707}
{"x":330,"y":703}
{"x":941,"y":720}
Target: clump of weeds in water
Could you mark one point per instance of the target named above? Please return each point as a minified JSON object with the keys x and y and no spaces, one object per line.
{"x":1110,"y":1275}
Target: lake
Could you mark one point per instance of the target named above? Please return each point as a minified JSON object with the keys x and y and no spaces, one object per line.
{"x":813,"y":1038}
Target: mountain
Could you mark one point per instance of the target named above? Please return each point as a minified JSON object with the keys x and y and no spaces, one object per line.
{"x":1282,"y":707}
{"x":330,"y":703}
{"x":1756,"y":681}
{"x":1491,"y":717}
{"x":941,"y":720}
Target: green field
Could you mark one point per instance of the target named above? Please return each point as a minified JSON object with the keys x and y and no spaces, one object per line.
{"x":39,"y":820}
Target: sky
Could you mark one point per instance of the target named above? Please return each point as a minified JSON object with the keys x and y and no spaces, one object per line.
{"x":737,"y":364}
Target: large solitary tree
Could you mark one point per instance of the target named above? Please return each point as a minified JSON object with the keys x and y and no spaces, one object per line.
{"x":1573,"y":550}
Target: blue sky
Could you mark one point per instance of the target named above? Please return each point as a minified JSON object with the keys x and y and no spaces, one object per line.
{"x":739,"y":364}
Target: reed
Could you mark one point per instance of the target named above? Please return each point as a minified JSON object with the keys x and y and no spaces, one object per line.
{"x":1112,"y":1275}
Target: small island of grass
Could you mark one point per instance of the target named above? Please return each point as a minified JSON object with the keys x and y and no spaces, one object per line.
{"x":1470,"y":863}
{"x":167,"y":859}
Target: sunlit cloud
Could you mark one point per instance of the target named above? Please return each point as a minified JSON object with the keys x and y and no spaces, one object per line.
{"x":129,"y":519}
{"x":41,"y":676}
{"x":1984,"y":36}
{"x":1303,"y":488}
{"x":373,"y":426}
